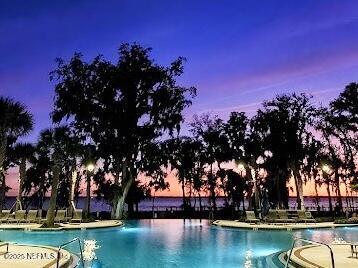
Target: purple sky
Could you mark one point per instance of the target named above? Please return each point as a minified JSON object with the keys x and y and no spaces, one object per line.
{"x":239,"y":52}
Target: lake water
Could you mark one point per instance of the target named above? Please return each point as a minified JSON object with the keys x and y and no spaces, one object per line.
{"x":163,"y":203}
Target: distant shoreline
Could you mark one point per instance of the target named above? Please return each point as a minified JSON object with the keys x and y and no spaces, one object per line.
{"x":308,"y":196}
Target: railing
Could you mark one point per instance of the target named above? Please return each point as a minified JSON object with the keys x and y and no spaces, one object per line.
{"x":310,"y":242}
{"x":7,"y":246}
{"x":66,"y":244}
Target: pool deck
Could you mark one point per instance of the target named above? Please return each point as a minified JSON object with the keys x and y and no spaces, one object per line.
{"x":63,"y":226}
{"x":276,"y":226}
{"x":26,"y":256}
{"x":319,"y":257}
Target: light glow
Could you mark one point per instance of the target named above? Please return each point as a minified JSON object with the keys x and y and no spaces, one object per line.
{"x":90,"y":167}
{"x":326,"y":168}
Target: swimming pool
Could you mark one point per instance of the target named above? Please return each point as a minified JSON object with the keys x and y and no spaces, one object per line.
{"x":179,"y":243}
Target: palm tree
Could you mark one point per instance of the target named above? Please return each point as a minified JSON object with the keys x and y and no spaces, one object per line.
{"x":38,"y":179}
{"x":15,"y":122}
{"x":22,"y":152}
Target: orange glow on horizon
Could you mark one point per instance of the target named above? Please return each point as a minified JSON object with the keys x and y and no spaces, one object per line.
{"x":175,"y":187}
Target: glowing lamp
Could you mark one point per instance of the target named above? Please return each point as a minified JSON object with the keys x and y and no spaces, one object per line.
{"x":90,"y":167}
{"x":326,"y":168}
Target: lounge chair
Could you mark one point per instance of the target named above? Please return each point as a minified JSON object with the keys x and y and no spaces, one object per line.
{"x":305,"y":216}
{"x":5,"y":215}
{"x":31,"y":216}
{"x":60,"y":216}
{"x":7,"y":247}
{"x":18,"y":217}
{"x":283,"y":217}
{"x":251,"y":217}
{"x":77,"y":216}
{"x":271,"y":216}
{"x":40,"y":220}
{"x":354,"y":249}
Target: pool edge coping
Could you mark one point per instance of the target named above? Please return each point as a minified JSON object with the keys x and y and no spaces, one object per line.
{"x":36,"y":228}
{"x":257,"y":227}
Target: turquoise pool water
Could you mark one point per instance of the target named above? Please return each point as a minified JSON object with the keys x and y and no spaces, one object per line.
{"x":179,"y":243}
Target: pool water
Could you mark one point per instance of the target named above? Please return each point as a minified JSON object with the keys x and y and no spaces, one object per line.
{"x":179,"y":243}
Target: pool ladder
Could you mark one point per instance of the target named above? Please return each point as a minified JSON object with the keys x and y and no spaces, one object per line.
{"x":313,"y":243}
{"x":65,"y":245}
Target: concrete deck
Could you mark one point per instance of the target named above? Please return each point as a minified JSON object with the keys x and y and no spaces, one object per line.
{"x":91,"y":225}
{"x":27,"y":256}
{"x":319,"y":256}
{"x":63,"y":226}
{"x":277,"y":226}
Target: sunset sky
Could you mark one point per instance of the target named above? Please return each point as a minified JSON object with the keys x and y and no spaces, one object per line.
{"x":239,"y":53}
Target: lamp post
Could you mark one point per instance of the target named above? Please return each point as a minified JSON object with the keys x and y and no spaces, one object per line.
{"x":89,"y":171}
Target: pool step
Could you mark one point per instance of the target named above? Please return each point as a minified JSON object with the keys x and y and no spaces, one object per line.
{"x":278,"y":260}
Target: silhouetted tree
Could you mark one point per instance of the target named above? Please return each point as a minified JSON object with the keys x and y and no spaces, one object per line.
{"x":183,"y":153}
{"x":285,"y":123}
{"x":58,"y":144}
{"x":38,"y":178}
{"x":15,"y":122}
{"x":22,"y":153}
{"x":121,"y":108}
{"x":210,"y":132}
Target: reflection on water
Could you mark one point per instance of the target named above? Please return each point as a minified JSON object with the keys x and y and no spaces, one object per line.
{"x":248,"y":256}
{"x":179,"y":243}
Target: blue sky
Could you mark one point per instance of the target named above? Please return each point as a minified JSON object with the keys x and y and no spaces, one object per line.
{"x":238,"y":52}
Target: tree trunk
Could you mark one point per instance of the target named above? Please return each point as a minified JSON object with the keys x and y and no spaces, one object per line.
{"x":71,"y":196}
{"x":299,"y":189}
{"x":2,"y":191}
{"x":328,"y":192}
{"x":50,"y":217}
{"x":338,"y":190}
{"x":257,"y":197}
{"x":40,"y":197}
{"x":212,"y":188}
{"x":329,"y":199}
{"x":88,"y":195}
{"x":22,"y":171}
{"x":3,"y":145}
{"x":183,"y":193}
{"x":116,"y":182}
{"x":316,"y":191}
{"x":190,"y":193}
{"x":200,"y":206}
{"x":121,"y":202}
{"x":278,"y":189}
{"x":243,"y":203}
{"x":347,"y":194}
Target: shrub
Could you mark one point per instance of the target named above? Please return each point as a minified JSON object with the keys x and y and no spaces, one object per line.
{"x":340,"y":221}
{"x":352,"y":220}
